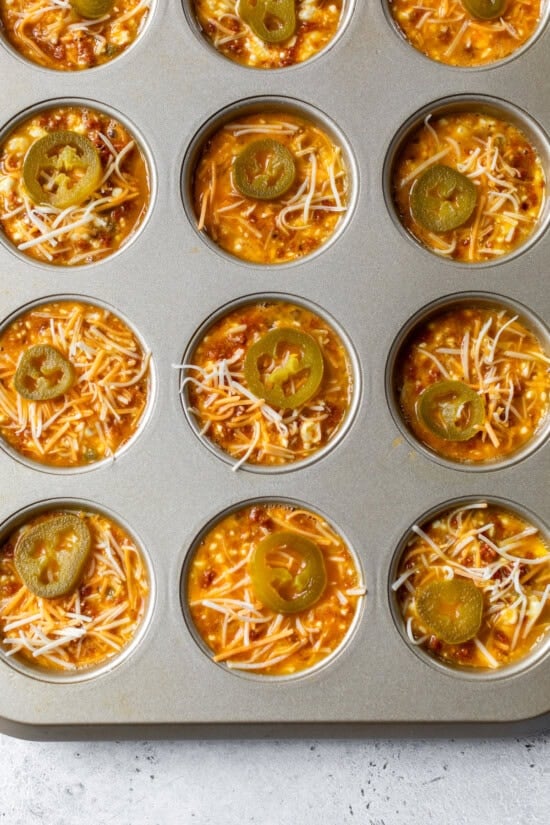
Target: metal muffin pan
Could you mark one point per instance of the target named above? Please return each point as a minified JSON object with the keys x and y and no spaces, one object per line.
{"x":372,"y":485}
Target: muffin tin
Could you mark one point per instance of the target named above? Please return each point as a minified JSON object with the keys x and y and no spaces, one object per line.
{"x":371,"y":279}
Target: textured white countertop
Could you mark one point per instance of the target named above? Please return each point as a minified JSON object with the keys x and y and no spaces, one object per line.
{"x":367,"y":781}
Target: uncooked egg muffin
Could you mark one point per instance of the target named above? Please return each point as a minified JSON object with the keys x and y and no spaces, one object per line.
{"x":467,"y":33}
{"x":473,"y":586}
{"x":273,"y":589}
{"x":270,"y":187}
{"x":269,"y":34}
{"x":69,"y":35}
{"x":469,"y":186}
{"x":270,"y":383}
{"x":74,"y":186}
{"x":473,"y":383}
{"x":73,"y":590}
{"x":74,"y":383}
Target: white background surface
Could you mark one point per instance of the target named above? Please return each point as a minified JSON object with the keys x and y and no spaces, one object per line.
{"x":368,"y":781}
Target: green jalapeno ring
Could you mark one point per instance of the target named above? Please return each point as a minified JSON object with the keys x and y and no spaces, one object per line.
{"x":273,"y":21}
{"x":442,"y":407}
{"x":485,"y":9}
{"x":92,"y":9}
{"x":452,"y":609}
{"x":270,"y":387}
{"x":43,"y":373}
{"x":50,"y":556}
{"x":442,"y":199}
{"x":55,"y":155}
{"x":264,"y":170}
{"x":276,"y":587}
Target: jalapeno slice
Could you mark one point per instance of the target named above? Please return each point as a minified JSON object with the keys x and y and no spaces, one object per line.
{"x":301,"y":370}
{"x":452,"y":609}
{"x":62,"y":169}
{"x":50,"y":556}
{"x":43,"y":373}
{"x":288,"y":572}
{"x":451,"y":410}
{"x":485,"y":9}
{"x":92,"y":9}
{"x":265,"y":170}
{"x":273,"y":21}
{"x":442,"y":198}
